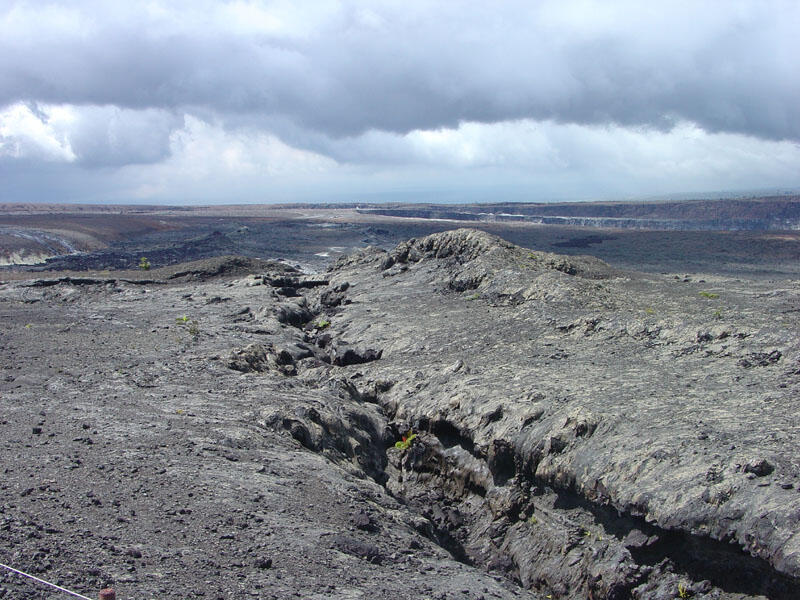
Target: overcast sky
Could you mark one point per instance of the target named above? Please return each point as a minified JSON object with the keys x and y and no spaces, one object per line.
{"x":225,"y":102}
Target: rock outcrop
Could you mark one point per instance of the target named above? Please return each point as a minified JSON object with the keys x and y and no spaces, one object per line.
{"x":628,"y":399}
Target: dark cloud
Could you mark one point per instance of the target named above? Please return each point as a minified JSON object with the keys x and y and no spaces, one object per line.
{"x":728,"y":67}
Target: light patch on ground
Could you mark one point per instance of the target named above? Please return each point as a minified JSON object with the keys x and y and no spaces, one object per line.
{"x":23,"y":258}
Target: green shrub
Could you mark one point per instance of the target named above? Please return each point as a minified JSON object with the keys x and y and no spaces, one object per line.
{"x":406,"y":442}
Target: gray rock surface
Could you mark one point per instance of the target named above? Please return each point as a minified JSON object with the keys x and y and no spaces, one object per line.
{"x":577,"y":431}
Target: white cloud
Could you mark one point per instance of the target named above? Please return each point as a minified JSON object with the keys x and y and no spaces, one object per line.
{"x":209,"y":163}
{"x":31,"y":132}
{"x":93,"y":136}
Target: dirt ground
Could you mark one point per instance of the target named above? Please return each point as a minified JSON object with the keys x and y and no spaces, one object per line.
{"x":133,"y":456}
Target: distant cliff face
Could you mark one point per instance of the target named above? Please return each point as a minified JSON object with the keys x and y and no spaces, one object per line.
{"x":32,"y":234}
{"x":777,"y":213}
{"x":20,"y":246}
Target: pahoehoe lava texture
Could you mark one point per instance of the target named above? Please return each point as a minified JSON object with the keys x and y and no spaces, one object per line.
{"x":229,"y":428}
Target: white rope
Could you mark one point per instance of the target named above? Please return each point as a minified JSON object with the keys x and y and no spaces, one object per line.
{"x":53,"y":585}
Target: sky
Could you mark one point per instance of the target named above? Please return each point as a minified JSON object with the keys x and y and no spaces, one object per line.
{"x":210,"y":102}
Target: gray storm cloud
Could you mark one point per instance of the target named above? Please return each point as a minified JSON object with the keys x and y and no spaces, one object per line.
{"x":344,"y":69}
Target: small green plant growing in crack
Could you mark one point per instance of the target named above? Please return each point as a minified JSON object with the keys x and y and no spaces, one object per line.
{"x":144,"y":264}
{"x":650,"y":310}
{"x":718,"y":314}
{"x":709,"y":295}
{"x":533,"y":520}
{"x":322,"y":324}
{"x":588,"y":534}
{"x":683,"y":591}
{"x":405,"y":443}
{"x":474,"y":296}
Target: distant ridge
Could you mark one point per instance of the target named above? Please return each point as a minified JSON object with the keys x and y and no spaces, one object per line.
{"x":754,"y":214}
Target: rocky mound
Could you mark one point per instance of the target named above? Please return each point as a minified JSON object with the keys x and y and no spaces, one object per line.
{"x":601,"y":391}
{"x":471,"y":260}
{"x":457,"y":417}
{"x":220,"y":266}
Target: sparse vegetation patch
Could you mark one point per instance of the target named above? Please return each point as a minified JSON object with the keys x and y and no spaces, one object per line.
{"x":191,"y":326}
{"x":405,"y":443}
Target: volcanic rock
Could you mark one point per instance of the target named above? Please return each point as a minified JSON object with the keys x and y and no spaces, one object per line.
{"x":458,"y":413}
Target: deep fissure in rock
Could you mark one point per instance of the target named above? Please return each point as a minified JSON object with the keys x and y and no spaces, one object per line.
{"x":449,"y":435}
{"x":725,"y":564}
{"x":699,"y":558}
